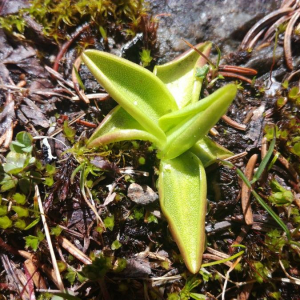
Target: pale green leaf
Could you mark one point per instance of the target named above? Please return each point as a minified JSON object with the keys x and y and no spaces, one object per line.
{"x":136,"y":89}
{"x":179,"y":75}
{"x":117,"y":126}
{"x":194,"y":122}
{"x":23,"y":143}
{"x":7,"y":182}
{"x":182,"y":190}
{"x":5,"y":222}
{"x":209,"y":151}
{"x":15,"y":162}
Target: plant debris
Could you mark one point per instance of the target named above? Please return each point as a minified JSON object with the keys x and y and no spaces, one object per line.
{"x":86,"y":222}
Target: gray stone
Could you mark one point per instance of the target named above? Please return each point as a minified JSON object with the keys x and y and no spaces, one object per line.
{"x":225,"y":22}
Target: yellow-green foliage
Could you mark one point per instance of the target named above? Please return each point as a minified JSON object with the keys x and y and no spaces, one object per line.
{"x":58,"y":16}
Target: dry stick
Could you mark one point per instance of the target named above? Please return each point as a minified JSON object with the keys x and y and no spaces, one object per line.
{"x":11,"y":275}
{"x":288,"y":3}
{"x":270,"y":18}
{"x":237,"y":76}
{"x":248,"y":117}
{"x":59,"y":77}
{"x":58,"y":130}
{"x":67,"y":44}
{"x":8,"y":112}
{"x":263,"y":153}
{"x":237,"y":284}
{"x":227,"y":276}
{"x":287,"y":165}
{"x":296,"y":280}
{"x":292,"y":75}
{"x":214,"y":132}
{"x":91,"y":205}
{"x":233,"y":123}
{"x":269,"y":35}
{"x":236,"y":156}
{"x":287,"y":45}
{"x":98,"y":96}
{"x":27,"y":255}
{"x":239,"y":239}
{"x":199,"y":52}
{"x":74,"y":250}
{"x":239,"y":70}
{"x":246,"y":191}
{"x":50,"y":274}
{"x":79,"y":91}
{"x":253,"y":42}
{"x":36,"y":276}
{"x":218,"y":253}
{"x":47,"y":233}
{"x":246,"y":291}
{"x":72,"y":232}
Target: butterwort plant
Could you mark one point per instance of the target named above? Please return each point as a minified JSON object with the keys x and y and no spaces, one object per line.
{"x":163,"y":107}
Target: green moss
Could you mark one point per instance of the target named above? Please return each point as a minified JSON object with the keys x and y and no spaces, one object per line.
{"x":58,"y":17}
{"x":5,"y":222}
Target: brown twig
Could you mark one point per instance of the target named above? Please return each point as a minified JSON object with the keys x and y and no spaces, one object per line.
{"x":236,"y":69}
{"x":199,"y":52}
{"x":86,"y":123}
{"x":255,"y":39}
{"x":98,"y":96}
{"x":227,"y":275}
{"x":246,"y":191}
{"x":79,"y":91}
{"x":36,"y":276}
{"x":237,"y":76}
{"x":67,"y":44}
{"x":48,"y":237}
{"x":67,"y":245}
{"x":270,"y":18}
{"x":269,"y":35}
{"x":59,"y":77}
{"x":287,"y":45}
{"x":233,"y":123}
{"x":236,"y":156}
{"x":287,"y":165}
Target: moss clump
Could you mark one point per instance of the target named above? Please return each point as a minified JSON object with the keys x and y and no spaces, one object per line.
{"x":57,"y":17}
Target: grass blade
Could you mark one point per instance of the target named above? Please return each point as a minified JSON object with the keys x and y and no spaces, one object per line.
{"x":264,"y":162}
{"x":258,"y":198}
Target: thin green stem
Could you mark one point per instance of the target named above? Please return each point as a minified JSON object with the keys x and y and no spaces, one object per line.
{"x":222,"y":260}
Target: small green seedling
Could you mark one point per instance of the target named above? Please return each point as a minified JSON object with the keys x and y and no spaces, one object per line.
{"x":164,"y":108}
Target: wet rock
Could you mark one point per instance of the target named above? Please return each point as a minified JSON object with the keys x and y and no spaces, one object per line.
{"x":225,"y":22}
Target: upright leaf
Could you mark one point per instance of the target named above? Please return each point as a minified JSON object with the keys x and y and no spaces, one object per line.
{"x":136,"y":89}
{"x":179,"y":75}
{"x":209,"y":151}
{"x":182,"y":190}
{"x":195,"y":120}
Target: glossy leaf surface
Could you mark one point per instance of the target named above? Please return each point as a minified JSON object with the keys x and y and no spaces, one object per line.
{"x":117,"y":126}
{"x":148,"y":111}
{"x":182,"y":190}
{"x":209,"y":151}
{"x":195,"y":125}
{"x":136,"y":89}
{"x":179,"y":75}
